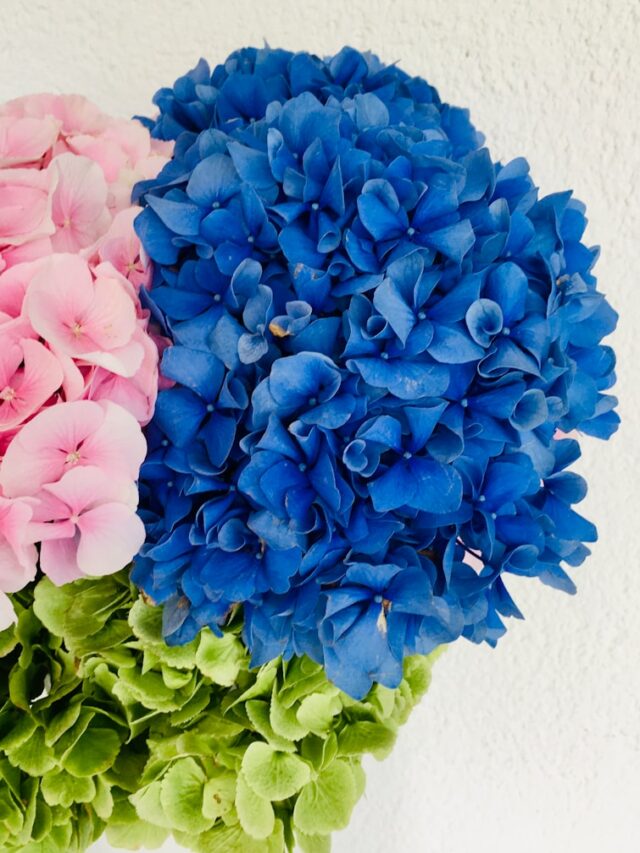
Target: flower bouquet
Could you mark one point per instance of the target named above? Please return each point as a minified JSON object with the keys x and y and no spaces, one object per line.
{"x":291,"y":378}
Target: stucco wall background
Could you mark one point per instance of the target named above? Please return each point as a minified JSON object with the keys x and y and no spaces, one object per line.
{"x":534,"y":747}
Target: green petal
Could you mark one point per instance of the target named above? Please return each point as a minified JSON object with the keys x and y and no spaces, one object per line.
{"x":272,"y":774}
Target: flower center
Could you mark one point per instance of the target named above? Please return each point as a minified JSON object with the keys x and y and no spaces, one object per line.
{"x":7,"y":394}
{"x":76,"y":329}
{"x":66,"y":222}
{"x":73,"y":457}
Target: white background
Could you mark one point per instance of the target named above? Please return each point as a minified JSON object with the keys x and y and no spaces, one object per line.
{"x":534,"y":747}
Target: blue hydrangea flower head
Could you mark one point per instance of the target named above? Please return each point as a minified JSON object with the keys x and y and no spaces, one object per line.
{"x":382,"y":344}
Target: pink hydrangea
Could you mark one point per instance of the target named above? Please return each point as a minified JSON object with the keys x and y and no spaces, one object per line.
{"x":78,"y":361}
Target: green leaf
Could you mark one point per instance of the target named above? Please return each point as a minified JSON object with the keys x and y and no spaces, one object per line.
{"x":254,"y":812}
{"x":8,"y":641}
{"x":325,"y":804}
{"x":233,"y":839}
{"x":192,"y":708}
{"x":33,"y":756}
{"x":417,"y":672}
{"x":175,"y":679}
{"x":320,"y":752}
{"x":182,"y":796}
{"x":102,"y":803}
{"x":258,"y":714}
{"x":62,"y":789}
{"x":148,"y":805}
{"x":284,"y":721}
{"x":261,"y":687}
{"x":19,"y":733}
{"x":146,"y":621}
{"x":313,"y":843}
{"x":220,"y":658}
{"x":94,"y":752}
{"x":125,"y":829}
{"x":62,"y":722}
{"x":148,"y":689}
{"x":51,"y":605}
{"x":219,"y":793}
{"x":316,"y":712}
{"x":146,"y":624}
{"x":272,"y":774}
{"x":42,"y":821}
{"x":357,"y":738}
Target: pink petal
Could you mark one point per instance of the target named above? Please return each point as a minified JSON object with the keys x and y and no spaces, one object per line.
{"x":79,"y":203}
{"x":118,"y":446}
{"x":110,"y":537}
{"x":83,"y":318}
{"x":13,"y":286}
{"x":124,"y":361}
{"x":82,"y":489}
{"x":59,"y":559}
{"x":18,"y":556}
{"x":25,"y":140}
{"x":56,"y":301}
{"x":30,"y":387}
{"x":110,"y":319}
{"x":25,"y":205}
{"x":46,"y":446}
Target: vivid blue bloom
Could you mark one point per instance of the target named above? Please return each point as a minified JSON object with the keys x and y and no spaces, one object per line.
{"x":379,"y":337}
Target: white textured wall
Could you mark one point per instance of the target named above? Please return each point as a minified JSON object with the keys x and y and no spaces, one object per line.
{"x":535,"y":747}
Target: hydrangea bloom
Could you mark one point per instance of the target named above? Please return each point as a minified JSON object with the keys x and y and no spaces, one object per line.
{"x":78,"y":367}
{"x":379,"y":337}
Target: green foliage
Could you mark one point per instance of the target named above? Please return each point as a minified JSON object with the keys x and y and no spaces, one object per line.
{"x":105,"y":727}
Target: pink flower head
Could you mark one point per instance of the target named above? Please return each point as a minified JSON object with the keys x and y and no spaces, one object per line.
{"x":72,"y":435}
{"x":25,"y":205}
{"x":88,"y":525}
{"x":78,"y":361}
{"x":87,"y":319}
{"x":29,"y":375}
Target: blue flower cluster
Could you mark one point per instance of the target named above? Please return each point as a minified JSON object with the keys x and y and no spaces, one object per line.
{"x":380,"y":341}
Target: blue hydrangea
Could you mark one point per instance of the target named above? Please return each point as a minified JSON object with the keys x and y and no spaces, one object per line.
{"x":381,"y":339}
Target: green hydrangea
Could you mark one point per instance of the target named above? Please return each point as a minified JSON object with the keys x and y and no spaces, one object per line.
{"x":103,"y":727}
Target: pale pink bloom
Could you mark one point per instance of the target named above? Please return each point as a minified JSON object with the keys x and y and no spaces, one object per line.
{"x":25,"y":205}
{"x":29,"y":375}
{"x":90,"y":320}
{"x":121,"y":248}
{"x":72,"y":435}
{"x":79,"y":208}
{"x":25,"y":140}
{"x":88,"y":525}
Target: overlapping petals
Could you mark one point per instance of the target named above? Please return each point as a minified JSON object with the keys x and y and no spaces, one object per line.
{"x":377,"y":333}
{"x":78,"y":366}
